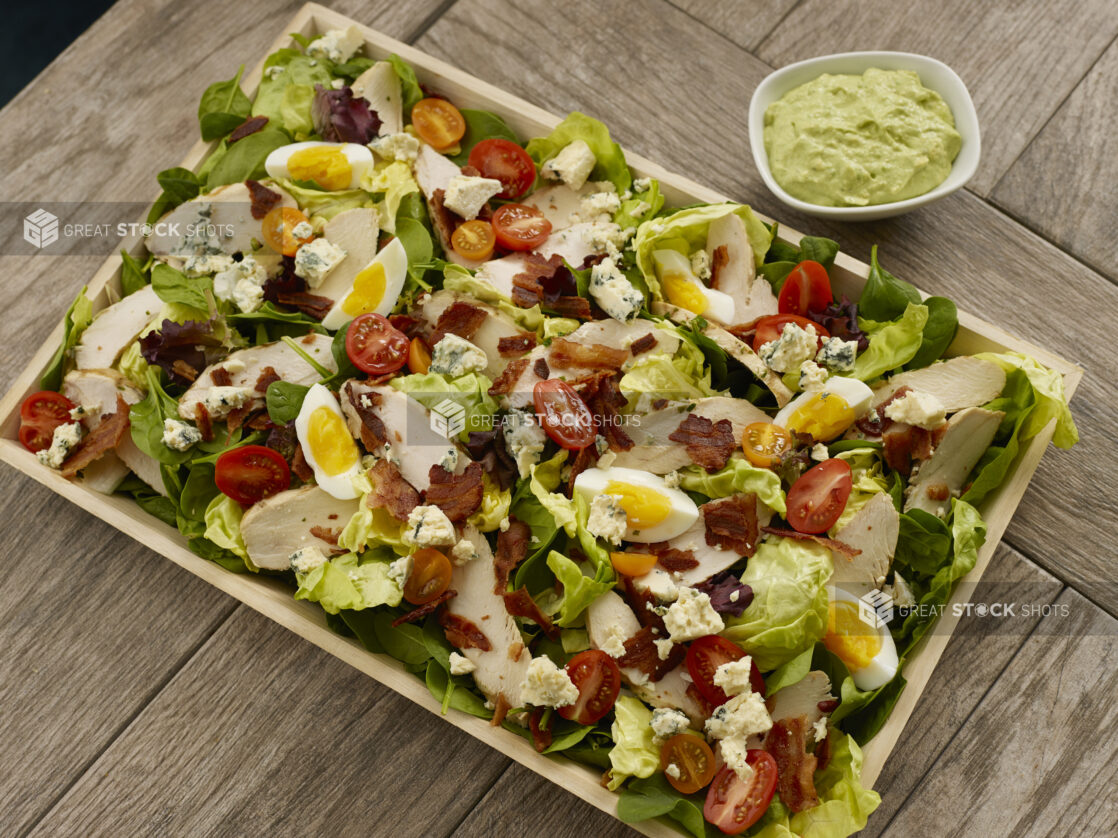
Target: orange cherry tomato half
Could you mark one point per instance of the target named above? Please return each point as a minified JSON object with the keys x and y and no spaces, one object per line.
{"x":507,"y":162}
{"x":632,"y":564}
{"x":438,"y":123}
{"x":807,"y":288}
{"x":764,"y":442}
{"x":771,"y":327}
{"x":520,"y":227}
{"x":374,"y":345}
{"x":419,"y":356}
{"x":693,"y":760}
{"x":474,"y":240}
{"x":598,"y":680}
{"x":705,"y":655}
{"x":817,"y":498}
{"x":39,"y":415}
{"x":564,"y":415}
{"x":734,"y":805}
{"x":429,"y":577}
{"x":251,"y":473}
{"x":278,"y":229}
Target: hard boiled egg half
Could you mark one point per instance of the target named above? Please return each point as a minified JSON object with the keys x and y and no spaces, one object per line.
{"x":327,"y":444}
{"x":682,"y":288}
{"x":375,"y":288}
{"x":655,"y":512}
{"x":867,"y":649}
{"x":333,"y":166}
{"x":826,"y":413}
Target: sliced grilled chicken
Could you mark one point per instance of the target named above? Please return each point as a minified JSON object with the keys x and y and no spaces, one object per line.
{"x":104,"y":474}
{"x":967,"y":436}
{"x":144,"y":467}
{"x":736,"y":272}
{"x":956,"y":383}
{"x":433,"y":171}
{"x":356,"y":232}
{"x":380,"y":87}
{"x":226,"y":212}
{"x":276,"y":527}
{"x":497,"y":325}
{"x":618,"y":335}
{"x":114,"y":328}
{"x":802,"y":698}
{"x":500,"y":272}
{"x":286,"y":362}
{"x":573,"y":243}
{"x":711,"y":559}
{"x":559,"y":203}
{"x":671,"y":691}
{"x":873,"y":530}
{"x":503,"y":667}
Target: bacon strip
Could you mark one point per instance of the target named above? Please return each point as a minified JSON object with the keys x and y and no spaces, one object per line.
{"x":519,"y":603}
{"x":602,"y":393}
{"x":391,"y":491}
{"x":541,"y":369}
{"x":640,"y":600}
{"x":500,"y":710}
{"x":541,"y":738}
{"x":567,"y":306}
{"x":267,"y":376}
{"x":585,"y":458}
{"x":260,"y":422}
{"x":901,"y":443}
{"x":731,"y":523}
{"x":508,"y":377}
{"x":512,"y":549}
{"x":641,"y":653}
{"x":457,"y":495}
{"x":204,"y":423}
{"x":462,"y":633}
{"x":184,"y":370}
{"x":642,"y":345}
{"x":566,"y":354}
{"x":444,"y":221}
{"x":718,"y":260}
{"x":709,"y":444}
{"x":220,"y":377}
{"x":837,"y":546}
{"x":237,"y":416}
{"x":263,"y":199}
{"x":328,"y":534}
{"x":104,"y":437}
{"x":373,"y":433}
{"x":528,"y":285}
{"x":250,"y":126}
{"x":299,"y":465}
{"x":422,"y":611}
{"x":312,"y":305}
{"x":795,"y":779}
{"x":518,"y":345}
{"x":671,"y":559}
{"x":462,"y":319}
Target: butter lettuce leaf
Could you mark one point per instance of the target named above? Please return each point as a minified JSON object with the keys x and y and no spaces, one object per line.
{"x":681,"y":377}
{"x":470,"y":391}
{"x":325,"y":204}
{"x":223,"y":527}
{"x":78,"y":316}
{"x":738,"y":475}
{"x":543,"y":480}
{"x":347,"y":583}
{"x":634,"y":753}
{"x":610,"y":158}
{"x":892,"y":343}
{"x":1048,"y":391}
{"x":495,"y":503}
{"x":393,"y":180}
{"x":579,"y":589}
{"x":458,"y":279}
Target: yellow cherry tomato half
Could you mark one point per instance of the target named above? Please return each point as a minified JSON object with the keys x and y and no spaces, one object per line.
{"x":764,"y":442}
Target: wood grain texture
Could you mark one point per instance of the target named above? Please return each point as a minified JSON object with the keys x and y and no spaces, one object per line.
{"x":92,"y":625}
{"x":1039,"y":756}
{"x":1062,"y":186}
{"x":744,"y":23}
{"x":1019,"y":60}
{"x":263,"y":734}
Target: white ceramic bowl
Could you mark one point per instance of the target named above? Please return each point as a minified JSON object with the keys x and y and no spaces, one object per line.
{"x":934,"y":74}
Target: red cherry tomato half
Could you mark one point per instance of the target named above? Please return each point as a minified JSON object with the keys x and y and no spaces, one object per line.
{"x":806,"y":288}
{"x":563,"y":414}
{"x":251,"y":473}
{"x":39,"y":415}
{"x":507,"y":162}
{"x":817,"y":499}
{"x":771,"y":327}
{"x":733,"y":805}
{"x":598,"y":680}
{"x":705,"y":655}
{"x":376,"y":346}
{"x":520,"y":227}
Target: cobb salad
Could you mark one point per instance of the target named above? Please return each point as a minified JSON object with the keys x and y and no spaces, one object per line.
{"x":618,"y":476}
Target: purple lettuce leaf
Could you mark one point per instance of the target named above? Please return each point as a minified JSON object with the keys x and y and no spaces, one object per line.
{"x":841,"y":321}
{"x":342,"y":118}
{"x":721,"y":589}
{"x":174,"y":344}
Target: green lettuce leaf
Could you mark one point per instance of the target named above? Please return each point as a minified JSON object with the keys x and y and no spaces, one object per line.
{"x":610,"y":163}
{"x":543,"y":480}
{"x":470,"y":391}
{"x":285,"y":110}
{"x":458,"y":279}
{"x":680,"y":378}
{"x":579,"y":589}
{"x":325,"y":204}
{"x":78,"y":316}
{"x":348,"y":583}
{"x":739,"y":475}
{"x":372,"y":527}
{"x":244,"y":159}
{"x":1048,"y":390}
{"x":892,"y":343}
{"x":625,"y":218}
{"x":393,"y":180}
{"x":845,"y":804}
{"x":634,"y":753}
{"x":495,"y":503}
{"x":223,"y":527}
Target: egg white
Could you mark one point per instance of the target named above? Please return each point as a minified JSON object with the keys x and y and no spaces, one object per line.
{"x":683,"y":513}
{"x":855,"y":393}
{"x":881,"y":669}
{"x":359,"y":157}
{"x":339,"y":485}
{"x":394,"y":259}
{"x":719,"y":305}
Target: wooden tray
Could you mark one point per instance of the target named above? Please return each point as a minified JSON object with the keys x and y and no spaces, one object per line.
{"x":273,"y":599}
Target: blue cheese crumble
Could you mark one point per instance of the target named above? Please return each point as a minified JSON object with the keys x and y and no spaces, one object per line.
{"x":733,"y":676}
{"x":401,"y":147}
{"x":613,"y":292}
{"x":454,"y":356}
{"x":428,"y":526}
{"x":838,"y":354}
{"x":221,"y":400}
{"x":667,"y":722}
{"x":460,"y":665}
{"x":917,"y":408}
{"x":692,"y":616}
{"x":572,"y":164}
{"x":242,"y":284}
{"x":180,"y":435}
{"x":466,"y":195}
{"x":65,"y":439}
{"x":700,"y":264}
{"x":307,"y":559}
{"x":788,"y":352}
{"x":524,"y":439}
{"x":608,"y":519}
{"x":337,"y":45}
{"x":315,"y":259}
{"x":546,"y":685}
{"x":400,"y":570}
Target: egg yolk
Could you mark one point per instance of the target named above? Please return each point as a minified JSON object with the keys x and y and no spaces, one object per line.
{"x":823,"y":415}
{"x":325,"y":165}
{"x":849,"y":638}
{"x":643,"y":507}
{"x":681,"y":292}
{"x":368,"y":291}
{"x":332,"y":449}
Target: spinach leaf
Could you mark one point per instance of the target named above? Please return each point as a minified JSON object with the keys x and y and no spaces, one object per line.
{"x":133,"y":275}
{"x":74,"y":321}
{"x":147,"y":418}
{"x":885,"y":297}
{"x":179,"y":184}
{"x":404,"y":642}
{"x":244,"y":159}
{"x":417,"y":244}
{"x":653,"y":797}
{"x":197,"y":491}
{"x":1017,"y":402}
{"x":155,"y":504}
{"x":284,"y":400}
{"x":205,"y":548}
{"x":346,"y":367}
{"x":481,"y":125}
{"x":939,"y":331}
{"x":783,"y":257}
{"x":454,"y":692}
{"x":361,"y":624}
{"x":819,"y":250}
{"x":351,"y":69}
{"x":269,"y":315}
{"x":409,"y":84}
{"x":224,"y":106}
{"x":171,"y":286}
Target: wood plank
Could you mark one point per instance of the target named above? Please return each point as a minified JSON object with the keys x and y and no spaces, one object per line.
{"x":91,"y":623}
{"x":1039,"y":756}
{"x":745,"y":23}
{"x":1019,"y":60}
{"x":1054,"y":186}
{"x":261,"y":733}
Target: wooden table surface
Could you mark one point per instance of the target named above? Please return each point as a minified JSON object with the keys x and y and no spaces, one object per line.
{"x":135,"y":700}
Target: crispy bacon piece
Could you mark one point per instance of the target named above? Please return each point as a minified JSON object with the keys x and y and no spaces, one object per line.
{"x":221,"y":377}
{"x":938,"y":491}
{"x":795,"y":779}
{"x":518,"y":345}
{"x":443,"y":219}
{"x":328,"y":534}
{"x":249,"y":126}
{"x":422,"y":611}
{"x":312,"y":305}
{"x":566,"y":354}
{"x":184,"y":370}
{"x":873,"y":423}
{"x":642,"y":345}
{"x":718,"y":260}
{"x":568,"y":306}
{"x":457,"y":495}
{"x":462,"y":633}
{"x":823,"y":752}
{"x":391,"y":491}
{"x":640,"y":600}
{"x":299,"y":465}
{"x":508,"y":377}
{"x":488,"y":449}
{"x":460,"y":318}
{"x":671,"y":559}
{"x":519,"y":603}
{"x":585,"y":458}
{"x":237,"y":416}
{"x":709,"y":444}
{"x":837,"y":546}
{"x":541,"y":369}
{"x":267,"y":376}
{"x":500,"y":710}
{"x":602,"y":393}
{"x":204,"y":423}
{"x":263,"y":199}
{"x":640,"y":652}
{"x":405,"y":323}
{"x":528,"y":286}
{"x":541,"y":738}
{"x":104,"y":437}
{"x":373,"y":433}
{"x":512,"y":549}
{"x":260,"y":422}
{"x":731,"y":523}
